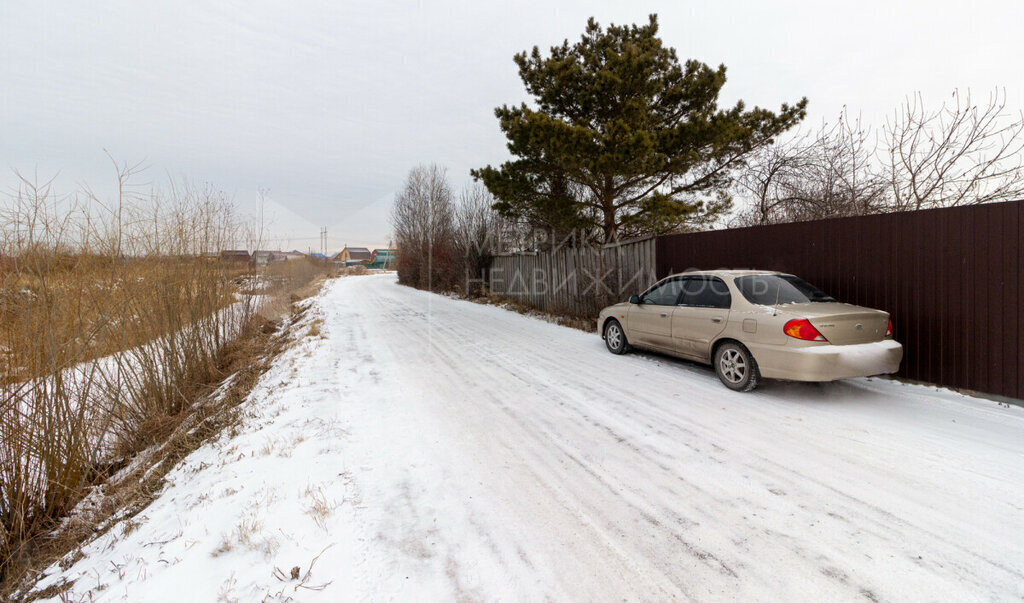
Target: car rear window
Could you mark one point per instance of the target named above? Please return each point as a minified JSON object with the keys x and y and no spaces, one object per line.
{"x":771,"y":289}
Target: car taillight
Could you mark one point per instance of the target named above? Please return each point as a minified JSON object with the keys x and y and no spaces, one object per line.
{"x":801,"y":328}
{"x":888,"y":329}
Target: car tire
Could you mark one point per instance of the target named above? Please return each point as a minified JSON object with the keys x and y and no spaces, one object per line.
{"x":736,"y":367}
{"x":615,"y":337}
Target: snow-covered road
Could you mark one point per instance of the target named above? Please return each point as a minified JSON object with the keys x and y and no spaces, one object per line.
{"x":436,"y":449}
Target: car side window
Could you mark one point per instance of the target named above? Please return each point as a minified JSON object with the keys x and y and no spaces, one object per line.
{"x":665,"y":293}
{"x":705,"y":292}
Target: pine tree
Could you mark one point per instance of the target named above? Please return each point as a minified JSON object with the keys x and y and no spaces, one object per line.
{"x":624,"y":140}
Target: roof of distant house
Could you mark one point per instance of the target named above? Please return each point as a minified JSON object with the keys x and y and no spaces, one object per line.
{"x":359,"y":253}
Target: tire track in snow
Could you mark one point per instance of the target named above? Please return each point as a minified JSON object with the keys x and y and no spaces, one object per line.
{"x":471,"y":344}
{"x":478,"y":454}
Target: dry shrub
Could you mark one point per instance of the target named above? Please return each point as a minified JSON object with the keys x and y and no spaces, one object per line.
{"x":294,"y":274}
{"x":108,"y":334}
{"x":128,"y":492}
{"x":566,"y":318}
{"x":357,"y":270}
{"x":423,"y":218}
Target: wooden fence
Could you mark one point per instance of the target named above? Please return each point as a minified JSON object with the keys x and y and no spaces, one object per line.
{"x":575,"y":280}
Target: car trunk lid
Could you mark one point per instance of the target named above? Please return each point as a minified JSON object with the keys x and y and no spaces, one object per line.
{"x":843,"y":324}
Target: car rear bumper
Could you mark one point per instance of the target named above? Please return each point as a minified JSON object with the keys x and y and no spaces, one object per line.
{"x":828,"y":362}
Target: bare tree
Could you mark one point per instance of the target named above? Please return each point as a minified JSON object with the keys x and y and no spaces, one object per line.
{"x":767,"y":179}
{"x":960,"y":154}
{"x":831,"y":173}
{"x":479,"y":230}
{"x":838,"y":176}
{"x":128,"y":195}
{"x":423,"y":219}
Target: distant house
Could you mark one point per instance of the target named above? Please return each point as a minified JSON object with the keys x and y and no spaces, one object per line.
{"x":382,"y":259}
{"x":317,"y":256}
{"x":354,"y":255}
{"x":262,"y":257}
{"x":235,"y":255}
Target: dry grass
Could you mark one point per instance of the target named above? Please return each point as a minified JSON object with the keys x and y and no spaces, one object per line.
{"x":88,"y":307}
{"x":320,"y":508}
{"x":69,"y":420}
{"x":315,"y":328}
{"x":109,"y":334}
{"x":245,"y":358}
{"x":247,"y":534}
{"x":297,"y":579}
{"x":567,"y":319}
{"x":357,"y":270}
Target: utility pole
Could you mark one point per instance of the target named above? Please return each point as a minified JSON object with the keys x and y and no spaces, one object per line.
{"x":323,"y":240}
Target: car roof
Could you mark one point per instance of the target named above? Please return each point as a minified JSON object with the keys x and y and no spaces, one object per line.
{"x":726,"y":273}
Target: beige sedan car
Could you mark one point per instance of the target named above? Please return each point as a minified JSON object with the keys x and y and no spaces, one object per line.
{"x":753,"y":324}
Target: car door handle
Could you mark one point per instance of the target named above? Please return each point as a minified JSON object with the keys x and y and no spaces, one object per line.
{"x":663,"y":315}
{"x":716,"y":320}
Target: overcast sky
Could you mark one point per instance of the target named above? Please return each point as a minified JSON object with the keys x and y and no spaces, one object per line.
{"x":329,"y":104}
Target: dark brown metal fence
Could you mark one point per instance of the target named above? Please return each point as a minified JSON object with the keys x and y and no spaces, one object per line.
{"x":953,"y":280}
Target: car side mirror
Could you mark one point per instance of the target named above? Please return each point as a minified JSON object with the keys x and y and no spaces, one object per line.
{"x":634,"y":299}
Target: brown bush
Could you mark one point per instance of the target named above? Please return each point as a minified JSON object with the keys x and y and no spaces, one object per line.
{"x":423,"y":219}
{"x":107,"y":336}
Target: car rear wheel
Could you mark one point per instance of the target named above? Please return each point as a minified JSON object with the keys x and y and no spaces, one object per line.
{"x":615,"y":338}
{"x":736,"y":367}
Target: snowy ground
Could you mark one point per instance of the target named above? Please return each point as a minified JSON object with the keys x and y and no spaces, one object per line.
{"x":429,"y":448}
